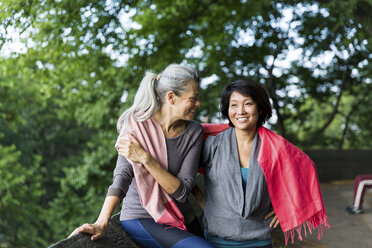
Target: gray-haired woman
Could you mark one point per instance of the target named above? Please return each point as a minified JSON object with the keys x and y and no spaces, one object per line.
{"x":167,"y":100}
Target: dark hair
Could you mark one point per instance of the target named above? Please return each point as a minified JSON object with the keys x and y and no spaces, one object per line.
{"x":247,"y":88}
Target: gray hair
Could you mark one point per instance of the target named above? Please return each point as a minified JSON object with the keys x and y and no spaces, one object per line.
{"x":150,"y":95}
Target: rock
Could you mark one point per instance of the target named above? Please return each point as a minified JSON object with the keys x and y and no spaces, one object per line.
{"x":115,"y":237}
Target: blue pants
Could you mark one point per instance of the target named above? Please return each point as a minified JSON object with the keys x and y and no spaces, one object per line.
{"x":148,"y":233}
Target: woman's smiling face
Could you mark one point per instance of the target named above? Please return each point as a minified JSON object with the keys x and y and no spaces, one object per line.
{"x":188,"y":102}
{"x":243,"y":111}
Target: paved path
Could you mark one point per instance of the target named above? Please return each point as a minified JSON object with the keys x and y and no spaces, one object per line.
{"x":347,"y":231}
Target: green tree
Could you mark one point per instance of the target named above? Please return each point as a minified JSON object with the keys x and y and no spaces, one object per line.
{"x":236,"y":39}
{"x":59,"y":103}
{"x":21,"y":184}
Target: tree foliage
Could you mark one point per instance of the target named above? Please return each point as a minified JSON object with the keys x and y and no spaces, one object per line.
{"x":82,"y":61}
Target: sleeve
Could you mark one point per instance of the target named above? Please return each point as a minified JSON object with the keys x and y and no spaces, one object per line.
{"x":189,"y":168}
{"x":207,"y":151}
{"x":123,"y":175}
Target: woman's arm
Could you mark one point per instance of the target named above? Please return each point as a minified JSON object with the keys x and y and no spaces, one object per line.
{"x":205,"y":161}
{"x":123,"y":175}
{"x":132,"y":149}
{"x":98,"y":228}
{"x":165,"y":179}
{"x":199,"y":196}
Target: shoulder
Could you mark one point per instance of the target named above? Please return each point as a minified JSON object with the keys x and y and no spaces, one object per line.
{"x":218,"y":139}
{"x":225,"y":133}
{"x":195,"y":125}
{"x":195,"y":129}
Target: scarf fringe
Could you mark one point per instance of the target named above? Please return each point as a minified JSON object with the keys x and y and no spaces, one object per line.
{"x":318,"y":220}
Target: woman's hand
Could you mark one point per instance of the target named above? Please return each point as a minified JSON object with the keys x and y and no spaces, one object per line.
{"x":132,"y":149}
{"x":97,"y":230}
{"x":274,"y":222}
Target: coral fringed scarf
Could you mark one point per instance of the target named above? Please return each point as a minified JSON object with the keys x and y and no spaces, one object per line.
{"x":292,"y":182}
{"x":293,"y":186}
{"x":153,"y":198}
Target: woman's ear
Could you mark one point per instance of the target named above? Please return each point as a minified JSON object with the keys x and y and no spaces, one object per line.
{"x":171,"y":97}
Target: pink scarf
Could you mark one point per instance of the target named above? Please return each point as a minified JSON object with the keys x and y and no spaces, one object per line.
{"x":153,"y":198}
{"x":292,"y":182}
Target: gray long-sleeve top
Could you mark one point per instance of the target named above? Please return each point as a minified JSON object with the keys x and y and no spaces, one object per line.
{"x":183,"y":160}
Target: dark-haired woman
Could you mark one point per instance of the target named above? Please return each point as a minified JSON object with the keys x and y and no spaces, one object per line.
{"x":255,"y":179}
